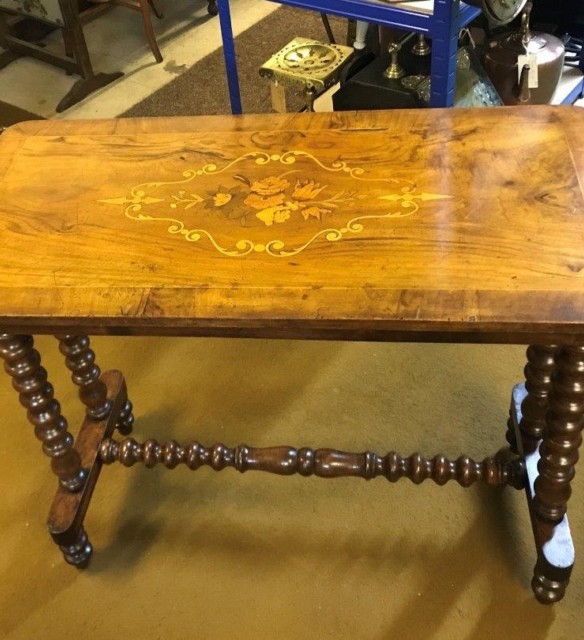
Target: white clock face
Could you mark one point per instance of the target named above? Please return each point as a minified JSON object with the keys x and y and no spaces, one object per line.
{"x":500,"y":11}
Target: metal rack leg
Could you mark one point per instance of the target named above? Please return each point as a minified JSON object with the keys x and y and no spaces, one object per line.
{"x":444,"y":47}
{"x":229,"y":55}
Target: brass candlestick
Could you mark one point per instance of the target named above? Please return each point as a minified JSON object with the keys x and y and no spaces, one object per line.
{"x":395,"y":71}
{"x":422,"y":46}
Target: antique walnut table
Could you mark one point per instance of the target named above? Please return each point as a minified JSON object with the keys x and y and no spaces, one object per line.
{"x":435,"y":225}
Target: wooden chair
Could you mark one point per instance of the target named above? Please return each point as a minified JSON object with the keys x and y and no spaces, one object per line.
{"x":146,"y":8}
{"x":63,"y":14}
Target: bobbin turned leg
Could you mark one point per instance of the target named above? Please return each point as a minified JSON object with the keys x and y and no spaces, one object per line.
{"x":23,"y":362}
{"x":538,"y":383}
{"x":558,"y":456}
{"x":80,"y":360}
{"x":29,"y":378}
{"x":106,"y":408}
{"x":530,"y":416}
{"x":68,"y":510}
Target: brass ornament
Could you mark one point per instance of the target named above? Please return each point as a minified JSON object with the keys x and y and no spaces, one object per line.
{"x":307,"y":62}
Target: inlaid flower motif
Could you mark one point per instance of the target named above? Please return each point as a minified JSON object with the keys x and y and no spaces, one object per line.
{"x":314,"y":212}
{"x":260,"y":202}
{"x":269,"y":186}
{"x":306,"y":190}
{"x":188,"y":200}
{"x":268,"y":201}
{"x":273,"y":214}
{"x":221,"y":198}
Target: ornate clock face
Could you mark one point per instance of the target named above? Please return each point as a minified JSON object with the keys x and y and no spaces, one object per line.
{"x":500,"y":11}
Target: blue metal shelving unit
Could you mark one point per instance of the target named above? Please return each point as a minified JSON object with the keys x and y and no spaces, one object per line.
{"x":442,"y":26}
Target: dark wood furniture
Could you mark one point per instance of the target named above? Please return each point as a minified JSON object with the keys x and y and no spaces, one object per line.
{"x":146,"y":8}
{"x":63,"y":14}
{"x":435,"y":225}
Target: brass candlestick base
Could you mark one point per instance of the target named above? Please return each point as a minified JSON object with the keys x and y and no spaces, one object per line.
{"x":422,"y":46}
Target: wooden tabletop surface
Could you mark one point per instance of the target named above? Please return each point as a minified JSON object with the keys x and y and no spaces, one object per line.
{"x":455,"y":224}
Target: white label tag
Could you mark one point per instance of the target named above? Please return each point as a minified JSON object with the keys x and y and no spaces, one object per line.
{"x":531,"y":60}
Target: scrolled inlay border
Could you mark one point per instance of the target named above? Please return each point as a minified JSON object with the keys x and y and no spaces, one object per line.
{"x":271,"y":199}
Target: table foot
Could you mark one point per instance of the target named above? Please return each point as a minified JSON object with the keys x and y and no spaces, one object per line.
{"x":125,"y":421}
{"x":79,"y":552}
{"x":84,"y":87}
{"x":67,"y":513}
{"x":547,"y":591}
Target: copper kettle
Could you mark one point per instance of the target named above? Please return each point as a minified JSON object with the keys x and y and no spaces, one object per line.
{"x":505,"y":55}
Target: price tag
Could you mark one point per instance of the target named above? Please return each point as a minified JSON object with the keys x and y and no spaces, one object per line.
{"x":531,"y":60}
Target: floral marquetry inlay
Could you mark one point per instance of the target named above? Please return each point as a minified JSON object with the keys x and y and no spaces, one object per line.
{"x":278,"y":204}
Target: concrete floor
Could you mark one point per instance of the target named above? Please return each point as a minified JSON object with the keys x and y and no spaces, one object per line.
{"x":215,"y":555}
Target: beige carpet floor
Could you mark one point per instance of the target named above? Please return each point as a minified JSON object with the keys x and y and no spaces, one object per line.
{"x":181,"y":555}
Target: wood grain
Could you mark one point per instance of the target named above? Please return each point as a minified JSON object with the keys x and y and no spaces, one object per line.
{"x":494,"y":251}
{"x":323,"y":463}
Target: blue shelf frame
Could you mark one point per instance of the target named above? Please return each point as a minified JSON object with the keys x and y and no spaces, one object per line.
{"x":576,"y":93}
{"x":442,"y":27}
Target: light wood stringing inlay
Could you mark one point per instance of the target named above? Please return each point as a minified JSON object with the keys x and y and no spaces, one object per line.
{"x":268,"y":198}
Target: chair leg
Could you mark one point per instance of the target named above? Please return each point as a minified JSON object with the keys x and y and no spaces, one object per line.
{"x":155,"y":10}
{"x":327,"y":27}
{"x":68,"y":42}
{"x":149,"y":30}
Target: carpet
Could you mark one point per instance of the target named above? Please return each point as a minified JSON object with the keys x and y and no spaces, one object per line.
{"x":9,"y":114}
{"x":202,"y":89}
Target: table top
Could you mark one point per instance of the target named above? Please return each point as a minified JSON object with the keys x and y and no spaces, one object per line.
{"x":424,"y":224}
